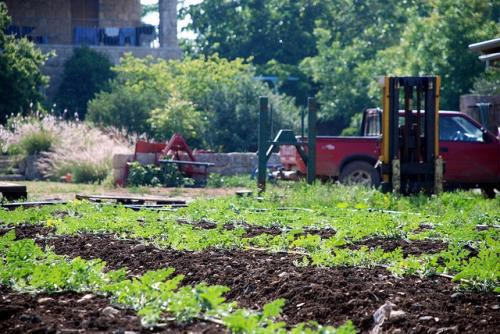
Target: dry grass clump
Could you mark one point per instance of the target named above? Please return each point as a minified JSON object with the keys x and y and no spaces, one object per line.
{"x":68,"y":147}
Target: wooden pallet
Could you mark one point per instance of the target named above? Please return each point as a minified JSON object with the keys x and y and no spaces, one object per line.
{"x":13,"y":191}
{"x":132,"y":199}
{"x":15,"y":205}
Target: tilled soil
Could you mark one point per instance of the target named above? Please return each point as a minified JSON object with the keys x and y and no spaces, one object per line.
{"x":415,"y":247}
{"x":328,"y":295}
{"x":76,"y":313}
{"x":254,"y":230}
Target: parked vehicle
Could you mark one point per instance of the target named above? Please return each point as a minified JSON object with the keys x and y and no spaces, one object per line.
{"x":471,"y":153}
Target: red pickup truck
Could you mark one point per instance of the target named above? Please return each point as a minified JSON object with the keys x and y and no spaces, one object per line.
{"x":471,"y":153}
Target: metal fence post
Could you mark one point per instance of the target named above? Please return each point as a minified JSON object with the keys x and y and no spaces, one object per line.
{"x":263,"y":142}
{"x":311,"y":140}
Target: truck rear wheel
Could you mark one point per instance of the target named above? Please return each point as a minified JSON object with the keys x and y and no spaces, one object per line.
{"x":360,"y":172}
{"x":488,"y":192}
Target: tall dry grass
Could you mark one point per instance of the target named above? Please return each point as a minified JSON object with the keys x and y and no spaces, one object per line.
{"x":78,"y":148}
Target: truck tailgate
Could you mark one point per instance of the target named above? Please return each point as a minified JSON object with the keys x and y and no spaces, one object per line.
{"x":331,"y":152}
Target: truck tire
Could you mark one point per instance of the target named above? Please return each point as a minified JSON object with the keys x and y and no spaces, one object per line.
{"x":488,"y":192}
{"x":360,"y":172}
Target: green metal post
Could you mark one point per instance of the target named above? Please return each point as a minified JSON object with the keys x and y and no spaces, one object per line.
{"x":263,"y":142}
{"x":302,"y":128}
{"x":311,"y":140}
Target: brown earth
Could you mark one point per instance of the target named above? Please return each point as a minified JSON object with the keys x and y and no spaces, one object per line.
{"x":328,"y":295}
{"x":70,"y":313}
{"x":415,"y":247}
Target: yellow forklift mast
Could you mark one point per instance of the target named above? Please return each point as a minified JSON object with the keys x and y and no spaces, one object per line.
{"x":410,"y":161}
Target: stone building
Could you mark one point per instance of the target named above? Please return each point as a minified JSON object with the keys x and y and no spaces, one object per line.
{"x":112,"y":27}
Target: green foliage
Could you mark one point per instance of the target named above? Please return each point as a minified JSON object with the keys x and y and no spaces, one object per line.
{"x":264,"y":30}
{"x":140,"y":86}
{"x":275,"y":34}
{"x":25,"y":267}
{"x":212,"y":101}
{"x":487,"y":83}
{"x":21,"y":78}
{"x":177,"y":116}
{"x":234,"y":181}
{"x":482,"y":272}
{"x":139,"y":175}
{"x":86,"y":171}
{"x":346,"y":41}
{"x":354,"y":126}
{"x":434,"y":44}
{"x":147,"y":9}
{"x":86,"y":73}
{"x":151,"y":175}
{"x":351,"y":215}
{"x":38,"y":141}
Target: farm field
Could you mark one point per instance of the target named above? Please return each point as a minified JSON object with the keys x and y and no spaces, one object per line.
{"x":299,"y":259}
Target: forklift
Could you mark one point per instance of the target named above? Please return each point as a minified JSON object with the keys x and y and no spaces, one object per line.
{"x":410,"y":162}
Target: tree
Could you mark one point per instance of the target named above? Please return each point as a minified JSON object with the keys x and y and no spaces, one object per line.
{"x":86,"y":73}
{"x":140,"y":86}
{"x":21,"y":78}
{"x":178,"y":116}
{"x":347,"y":41}
{"x":213,"y":102}
{"x":437,"y":44}
{"x":488,"y":83}
{"x":275,"y":34}
{"x":367,"y":39}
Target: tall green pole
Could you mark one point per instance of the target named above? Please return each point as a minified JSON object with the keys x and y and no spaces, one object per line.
{"x":311,"y":140}
{"x":263,"y":142}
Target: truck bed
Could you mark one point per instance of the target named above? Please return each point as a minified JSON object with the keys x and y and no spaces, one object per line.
{"x":332,"y":153}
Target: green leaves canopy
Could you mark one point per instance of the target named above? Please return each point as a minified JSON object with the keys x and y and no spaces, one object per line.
{"x":342,"y":45}
{"x":213,"y":102}
{"x":21,"y":77}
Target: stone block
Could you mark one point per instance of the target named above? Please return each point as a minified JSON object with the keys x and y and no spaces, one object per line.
{"x":120,"y":160}
{"x":119,"y":175}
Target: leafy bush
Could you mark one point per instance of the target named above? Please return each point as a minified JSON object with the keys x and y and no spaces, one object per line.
{"x":37,"y":142}
{"x":151,"y":175}
{"x":488,"y":83}
{"x":87,"y":171}
{"x":177,"y":116}
{"x":144,"y":175}
{"x":86,"y":73}
{"x":21,"y":77}
{"x":213,"y":102}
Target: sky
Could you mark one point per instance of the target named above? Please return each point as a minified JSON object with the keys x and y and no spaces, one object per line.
{"x":155,"y":20}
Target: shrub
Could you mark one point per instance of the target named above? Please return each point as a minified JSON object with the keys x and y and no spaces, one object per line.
{"x":27,"y":135}
{"x":151,"y":175}
{"x":211,"y":101}
{"x":177,"y":116}
{"x":86,"y":73}
{"x":75,"y":147}
{"x":144,"y":175}
{"x":37,"y":142}
{"x":20,"y":72}
{"x":487,"y":83}
{"x":89,"y":171}
{"x":83,"y":151}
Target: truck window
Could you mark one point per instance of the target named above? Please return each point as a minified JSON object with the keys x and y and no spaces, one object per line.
{"x":457,"y":128}
{"x":372,"y":128}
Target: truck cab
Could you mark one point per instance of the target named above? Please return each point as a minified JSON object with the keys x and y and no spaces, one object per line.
{"x":470,"y":152}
